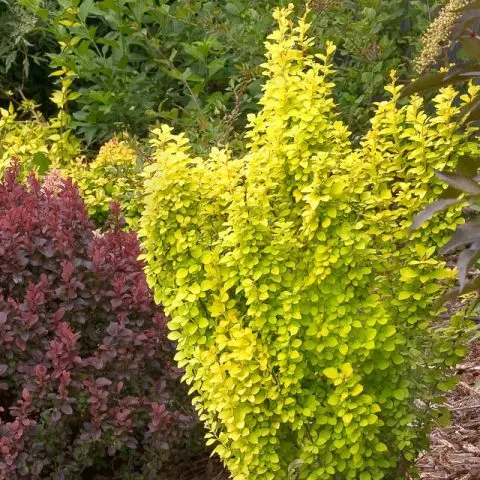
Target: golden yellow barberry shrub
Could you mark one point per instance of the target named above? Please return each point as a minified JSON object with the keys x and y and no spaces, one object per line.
{"x":114,"y":175}
{"x":301,"y":304}
{"x":33,"y":141}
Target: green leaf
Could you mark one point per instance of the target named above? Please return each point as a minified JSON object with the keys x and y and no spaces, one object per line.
{"x":357,"y":390}
{"x":381,"y":447}
{"x":41,"y":161}
{"x":85,"y":9}
{"x":194,"y":51}
{"x":32,"y":5}
{"x":181,"y":273}
{"x":445,"y":417}
{"x":174,"y":335}
{"x":407,"y":274}
{"x":399,"y":394}
{"x":347,"y":418}
{"x":389,"y":331}
{"x":448,"y":384}
{"x":233,"y":8}
{"x":215,"y":66}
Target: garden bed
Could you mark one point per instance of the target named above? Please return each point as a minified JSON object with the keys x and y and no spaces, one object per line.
{"x":455,"y":449}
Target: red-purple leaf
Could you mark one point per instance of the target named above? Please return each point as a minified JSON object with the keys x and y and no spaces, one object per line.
{"x":459,"y":181}
{"x":66,"y":409}
{"x":103,"y":382}
{"x":76,"y":364}
{"x":431,"y":210}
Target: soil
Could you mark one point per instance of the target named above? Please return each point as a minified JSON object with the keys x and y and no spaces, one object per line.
{"x":455,"y":449}
{"x":206,"y":469}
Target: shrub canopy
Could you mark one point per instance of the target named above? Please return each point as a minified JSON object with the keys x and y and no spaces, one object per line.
{"x":300,"y":301}
{"x":87,"y":378}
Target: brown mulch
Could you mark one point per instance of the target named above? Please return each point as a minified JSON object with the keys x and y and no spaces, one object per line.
{"x":205,"y":469}
{"x":455,"y":449}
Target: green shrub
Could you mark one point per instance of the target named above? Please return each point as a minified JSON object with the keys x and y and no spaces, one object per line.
{"x":197,"y":63}
{"x":372,"y":38}
{"x":25,"y":40}
{"x":192,"y":61}
{"x":301,"y":303}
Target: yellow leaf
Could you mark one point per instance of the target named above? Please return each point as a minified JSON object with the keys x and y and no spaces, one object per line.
{"x":331,"y":373}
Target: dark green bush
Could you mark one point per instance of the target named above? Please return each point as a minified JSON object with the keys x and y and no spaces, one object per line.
{"x":196,"y":63}
{"x":372,"y":38}
{"x":24,"y":42}
{"x":190,"y":63}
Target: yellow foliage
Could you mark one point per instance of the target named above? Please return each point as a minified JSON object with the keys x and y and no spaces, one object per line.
{"x":300,"y":301}
{"x":33,"y":139}
{"x":115,"y":174}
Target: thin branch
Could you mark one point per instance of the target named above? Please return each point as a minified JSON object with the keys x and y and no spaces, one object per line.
{"x":448,"y":316}
{"x":5,"y":94}
{"x":469,"y":388}
{"x":465,"y":407}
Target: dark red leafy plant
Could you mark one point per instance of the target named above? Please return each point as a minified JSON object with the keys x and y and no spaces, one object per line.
{"x":88,"y":385}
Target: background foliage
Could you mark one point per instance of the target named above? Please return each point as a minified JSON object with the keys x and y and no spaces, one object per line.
{"x":189,"y":60}
{"x":197,"y":62}
{"x":372,"y":38}
{"x":25,"y":43}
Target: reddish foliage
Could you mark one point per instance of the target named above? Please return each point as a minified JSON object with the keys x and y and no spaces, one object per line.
{"x":86,"y":374}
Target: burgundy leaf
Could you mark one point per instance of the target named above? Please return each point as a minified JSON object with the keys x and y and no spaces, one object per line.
{"x":103,"y":382}
{"x":67,"y":409}
{"x":82,"y":341}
